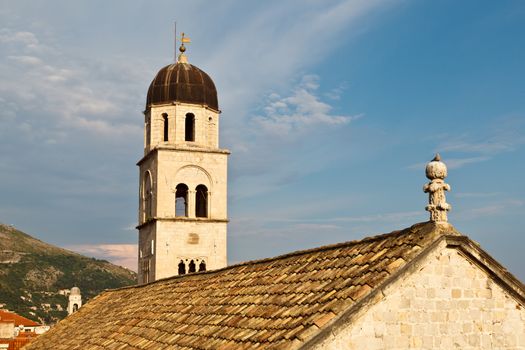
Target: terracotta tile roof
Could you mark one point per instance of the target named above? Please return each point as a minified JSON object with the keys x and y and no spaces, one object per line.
{"x":275,"y":303}
{"x":6,"y":316}
{"x":19,"y":341}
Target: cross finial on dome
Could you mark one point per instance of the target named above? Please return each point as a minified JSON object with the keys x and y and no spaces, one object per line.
{"x":436,"y":172}
{"x":182,"y":48}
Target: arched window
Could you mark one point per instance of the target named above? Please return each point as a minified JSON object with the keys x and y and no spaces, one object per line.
{"x":147,"y":129}
{"x":202,"y":266}
{"x":201,"y":202}
{"x":181,"y":200}
{"x":191,"y":267}
{"x":148,"y":196}
{"x":75,"y":307}
{"x":165,"y":120}
{"x":182,"y":268}
{"x":189,"y":134}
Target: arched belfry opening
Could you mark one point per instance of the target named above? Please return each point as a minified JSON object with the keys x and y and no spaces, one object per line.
{"x":181,"y":200}
{"x":182,"y":268}
{"x":201,"y":201}
{"x":191,"y":267}
{"x":183,"y":193}
{"x":189,"y":127}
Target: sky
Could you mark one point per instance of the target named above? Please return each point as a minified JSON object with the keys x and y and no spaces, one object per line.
{"x":331,"y":110}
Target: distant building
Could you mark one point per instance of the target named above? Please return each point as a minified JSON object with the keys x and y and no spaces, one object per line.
{"x":16,"y":330}
{"x":75,"y":300}
{"x":64,"y":292}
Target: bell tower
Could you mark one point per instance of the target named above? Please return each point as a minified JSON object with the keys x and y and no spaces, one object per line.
{"x":183,"y":176}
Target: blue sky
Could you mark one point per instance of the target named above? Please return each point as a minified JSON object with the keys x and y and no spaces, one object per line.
{"x":330,"y":108}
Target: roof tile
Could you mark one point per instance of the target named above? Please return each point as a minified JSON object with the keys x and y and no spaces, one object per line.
{"x":275,"y":303}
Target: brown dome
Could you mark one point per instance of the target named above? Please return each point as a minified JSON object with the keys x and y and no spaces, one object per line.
{"x":182,"y":82}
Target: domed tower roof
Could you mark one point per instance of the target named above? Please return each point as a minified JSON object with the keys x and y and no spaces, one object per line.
{"x":182,"y":82}
{"x":75,"y":291}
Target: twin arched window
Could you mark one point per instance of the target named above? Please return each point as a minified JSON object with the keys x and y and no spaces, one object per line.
{"x":181,"y":201}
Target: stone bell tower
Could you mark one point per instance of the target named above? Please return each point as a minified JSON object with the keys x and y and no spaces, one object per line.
{"x":183,"y":176}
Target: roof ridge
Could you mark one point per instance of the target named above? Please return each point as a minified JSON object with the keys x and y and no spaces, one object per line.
{"x":275,"y":300}
{"x":286,"y":255}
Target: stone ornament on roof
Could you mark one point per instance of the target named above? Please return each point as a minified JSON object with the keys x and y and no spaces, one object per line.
{"x":436,"y":172}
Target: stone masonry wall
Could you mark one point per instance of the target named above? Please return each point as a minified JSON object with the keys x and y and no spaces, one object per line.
{"x":448,"y":303}
{"x":178,"y":241}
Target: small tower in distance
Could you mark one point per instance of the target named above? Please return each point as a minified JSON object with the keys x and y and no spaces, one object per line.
{"x":75,"y":300}
{"x":183,"y":176}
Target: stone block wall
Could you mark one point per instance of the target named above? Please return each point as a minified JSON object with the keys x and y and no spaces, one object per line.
{"x":179,"y":240}
{"x":191,"y":168}
{"x":206,"y":125}
{"x":447,"y":303}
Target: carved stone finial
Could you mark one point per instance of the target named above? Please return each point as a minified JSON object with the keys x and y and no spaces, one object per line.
{"x":436,"y":172}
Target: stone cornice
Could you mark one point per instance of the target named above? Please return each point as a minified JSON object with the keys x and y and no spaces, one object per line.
{"x":182,"y":148}
{"x":181,"y":219}
{"x":205,"y":106}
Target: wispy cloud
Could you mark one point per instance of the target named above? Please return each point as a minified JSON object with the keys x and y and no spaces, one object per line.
{"x":452,"y":163}
{"x":28,"y":60}
{"x":495,"y":208}
{"x":298,"y":111}
{"x":119,"y":254}
{"x":337,"y":92}
{"x":455,"y":163}
{"x":28,"y":39}
{"x":476,"y":194}
{"x":252,"y":226}
{"x":487,"y":143}
{"x":506,"y":136}
{"x":65,"y":91}
{"x":384,"y":217}
{"x":89,"y":97}
{"x":496,"y":144}
{"x":316,"y":227}
{"x":281,"y":56}
{"x":276,"y":135}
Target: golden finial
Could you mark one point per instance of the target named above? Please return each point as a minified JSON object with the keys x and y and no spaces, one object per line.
{"x":183,"y":39}
{"x":182,"y":48}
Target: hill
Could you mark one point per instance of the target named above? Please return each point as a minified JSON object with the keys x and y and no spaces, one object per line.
{"x":32,"y":274}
